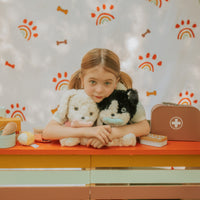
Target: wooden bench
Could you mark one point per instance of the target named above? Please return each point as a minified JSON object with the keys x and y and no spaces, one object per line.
{"x":141,"y":172}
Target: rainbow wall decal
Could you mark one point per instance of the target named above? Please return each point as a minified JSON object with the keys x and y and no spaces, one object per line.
{"x":157,"y":2}
{"x":17,"y":113}
{"x":27,"y":30}
{"x":185,"y":32}
{"x":62,"y":84}
{"x":148,"y":65}
{"x":187,"y":100}
{"x":103,"y":17}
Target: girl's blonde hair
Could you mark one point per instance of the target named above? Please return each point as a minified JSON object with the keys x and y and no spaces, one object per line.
{"x":108,"y":59}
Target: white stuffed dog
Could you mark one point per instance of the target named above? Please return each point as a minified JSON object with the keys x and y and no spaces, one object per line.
{"x":79,"y":109}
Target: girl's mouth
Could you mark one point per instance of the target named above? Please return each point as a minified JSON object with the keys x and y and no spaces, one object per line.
{"x":99,"y":97}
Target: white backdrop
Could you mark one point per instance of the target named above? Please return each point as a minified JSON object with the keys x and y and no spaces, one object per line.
{"x":164,"y":63}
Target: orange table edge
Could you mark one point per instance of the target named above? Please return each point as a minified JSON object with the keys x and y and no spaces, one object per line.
{"x":54,"y":148}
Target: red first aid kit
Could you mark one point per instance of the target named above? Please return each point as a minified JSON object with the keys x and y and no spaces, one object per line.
{"x":177,"y":122}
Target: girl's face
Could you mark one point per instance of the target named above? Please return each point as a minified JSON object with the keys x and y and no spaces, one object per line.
{"x":98,"y":83}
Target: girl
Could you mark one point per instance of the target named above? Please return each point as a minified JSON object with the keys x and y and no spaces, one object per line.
{"x":99,"y":75}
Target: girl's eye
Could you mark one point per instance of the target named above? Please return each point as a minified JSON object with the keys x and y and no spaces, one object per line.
{"x":92,"y":82}
{"x":75,"y":108}
{"x":123,"y":110}
{"x":107,"y":83}
{"x":91,"y":113}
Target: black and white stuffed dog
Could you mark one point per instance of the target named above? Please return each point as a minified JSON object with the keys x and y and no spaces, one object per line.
{"x":117,"y":110}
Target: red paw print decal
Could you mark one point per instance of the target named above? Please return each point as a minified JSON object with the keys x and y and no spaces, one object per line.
{"x":16,"y":111}
{"x":28,"y":30}
{"x":186,"y":30}
{"x":187,"y":98}
{"x":149,"y":62}
{"x":61,"y":81}
{"x":103,"y":14}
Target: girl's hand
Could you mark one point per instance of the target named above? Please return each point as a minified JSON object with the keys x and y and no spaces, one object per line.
{"x":95,"y":143}
{"x":77,"y":124}
{"x":102,"y":133}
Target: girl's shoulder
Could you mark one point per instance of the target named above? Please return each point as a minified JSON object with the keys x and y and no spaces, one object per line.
{"x":140,"y":114}
{"x":121,"y":86}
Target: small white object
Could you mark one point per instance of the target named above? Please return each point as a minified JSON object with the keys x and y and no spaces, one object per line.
{"x":7,"y":141}
{"x":26,"y":138}
{"x":34,"y":145}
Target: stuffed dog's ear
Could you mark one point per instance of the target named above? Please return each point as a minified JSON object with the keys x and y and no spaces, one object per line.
{"x":133,"y":96}
{"x":64,"y":104}
{"x":104,"y":104}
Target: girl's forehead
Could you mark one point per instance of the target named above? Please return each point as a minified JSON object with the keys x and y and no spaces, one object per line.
{"x":99,"y":74}
{"x":99,"y":71}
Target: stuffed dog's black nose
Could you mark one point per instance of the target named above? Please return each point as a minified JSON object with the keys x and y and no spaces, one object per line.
{"x":82,"y":117}
{"x":112,"y":114}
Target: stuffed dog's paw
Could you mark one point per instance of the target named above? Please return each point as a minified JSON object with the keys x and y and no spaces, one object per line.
{"x":129,"y":140}
{"x":69,"y":142}
{"x":84,"y":141}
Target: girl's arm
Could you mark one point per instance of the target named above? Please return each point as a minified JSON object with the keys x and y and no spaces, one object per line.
{"x":55,"y":131}
{"x":139,"y":129}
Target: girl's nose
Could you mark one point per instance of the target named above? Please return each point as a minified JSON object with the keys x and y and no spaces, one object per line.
{"x":99,"y":88}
